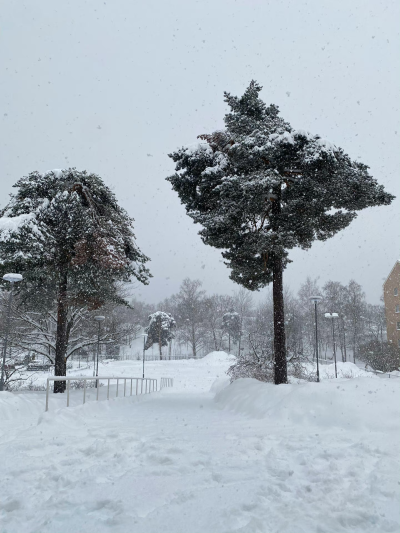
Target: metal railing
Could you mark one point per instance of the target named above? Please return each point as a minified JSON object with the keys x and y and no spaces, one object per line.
{"x":382,"y":374}
{"x":166,"y":382}
{"x":148,"y":384}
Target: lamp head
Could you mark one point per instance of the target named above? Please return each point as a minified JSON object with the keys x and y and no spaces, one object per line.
{"x":315,"y":299}
{"x":99,"y":318}
{"x":13,"y":278}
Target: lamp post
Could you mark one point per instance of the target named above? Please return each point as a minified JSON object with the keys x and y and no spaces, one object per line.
{"x":333,"y":316}
{"x":144,"y":335}
{"x":12,"y":278}
{"x":99,"y":320}
{"x":316,"y":299}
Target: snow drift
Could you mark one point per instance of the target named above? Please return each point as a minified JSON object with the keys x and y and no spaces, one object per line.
{"x":353,"y":404}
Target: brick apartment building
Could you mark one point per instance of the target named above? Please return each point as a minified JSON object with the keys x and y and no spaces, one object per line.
{"x":391,"y":296}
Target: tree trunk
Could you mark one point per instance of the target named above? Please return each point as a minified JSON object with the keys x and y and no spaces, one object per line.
{"x":160,"y":342}
{"x":280,"y":363}
{"x":344,"y":345}
{"x":194,"y":343}
{"x":60,"y":362}
{"x":215,"y":339}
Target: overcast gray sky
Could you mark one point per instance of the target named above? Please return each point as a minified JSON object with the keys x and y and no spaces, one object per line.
{"x":113,"y":87}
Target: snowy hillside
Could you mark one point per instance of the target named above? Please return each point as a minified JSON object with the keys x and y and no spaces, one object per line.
{"x":246,"y":457}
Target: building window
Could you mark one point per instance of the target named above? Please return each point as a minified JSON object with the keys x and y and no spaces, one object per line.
{"x":398,"y":325}
{"x":396,"y":291}
{"x":398,"y":342}
{"x":397,"y":308}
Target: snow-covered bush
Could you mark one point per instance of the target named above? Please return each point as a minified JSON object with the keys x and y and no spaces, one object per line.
{"x":382,"y":356}
{"x":258,"y":363}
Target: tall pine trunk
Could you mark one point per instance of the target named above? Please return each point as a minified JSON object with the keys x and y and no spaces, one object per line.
{"x":60,"y":366}
{"x":160,"y":341}
{"x":280,"y":363}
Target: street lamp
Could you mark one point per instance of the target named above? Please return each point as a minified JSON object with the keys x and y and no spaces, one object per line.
{"x":333,"y":316}
{"x":144,"y":335}
{"x":12,"y":278}
{"x":316,"y":299}
{"x":99,"y":320}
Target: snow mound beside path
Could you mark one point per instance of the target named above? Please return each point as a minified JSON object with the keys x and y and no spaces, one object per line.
{"x":13,"y":406}
{"x":217,"y":359}
{"x":344,"y":370}
{"x":352,"y":404}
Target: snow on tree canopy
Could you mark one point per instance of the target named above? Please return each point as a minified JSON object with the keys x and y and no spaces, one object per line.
{"x":160,"y":329}
{"x":69,"y":217}
{"x":230,"y":182}
{"x":231,"y":324}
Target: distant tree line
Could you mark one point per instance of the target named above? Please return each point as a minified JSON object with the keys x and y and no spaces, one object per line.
{"x":236,"y":323}
{"x":200,"y":323}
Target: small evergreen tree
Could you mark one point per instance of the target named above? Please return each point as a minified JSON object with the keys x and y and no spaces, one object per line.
{"x":160,"y":330}
{"x":260,"y":188}
{"x":231,"y":324}
{"x":65,"y":232}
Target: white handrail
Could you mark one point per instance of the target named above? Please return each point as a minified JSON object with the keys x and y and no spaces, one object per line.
{"x":166,"y":382}
{"x":150,"y":385}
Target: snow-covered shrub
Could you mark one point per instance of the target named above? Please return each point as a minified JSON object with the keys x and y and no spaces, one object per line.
{"x":258,"y":363}
{"x":25,"y":384}
{"x":382,"y":356}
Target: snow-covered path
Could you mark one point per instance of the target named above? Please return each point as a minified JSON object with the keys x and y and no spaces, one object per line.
{"x":185,"y":462}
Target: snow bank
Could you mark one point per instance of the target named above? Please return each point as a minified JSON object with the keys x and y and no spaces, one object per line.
{"x":344,"y":370}
{"x":216,"y":359}
{"x":13,"y":406}
{"x":353,"y":404}
{"x":219,"y":384}
{"x":288,"y":460}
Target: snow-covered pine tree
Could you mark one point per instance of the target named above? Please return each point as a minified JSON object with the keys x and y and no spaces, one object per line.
{"x":160,"y":330}
{"x":66,"y":233}
{"x":231,"y":324}
{"x":260,"y":188}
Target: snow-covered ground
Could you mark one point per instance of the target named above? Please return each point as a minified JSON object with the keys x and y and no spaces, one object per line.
{"x":248,"y":457}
